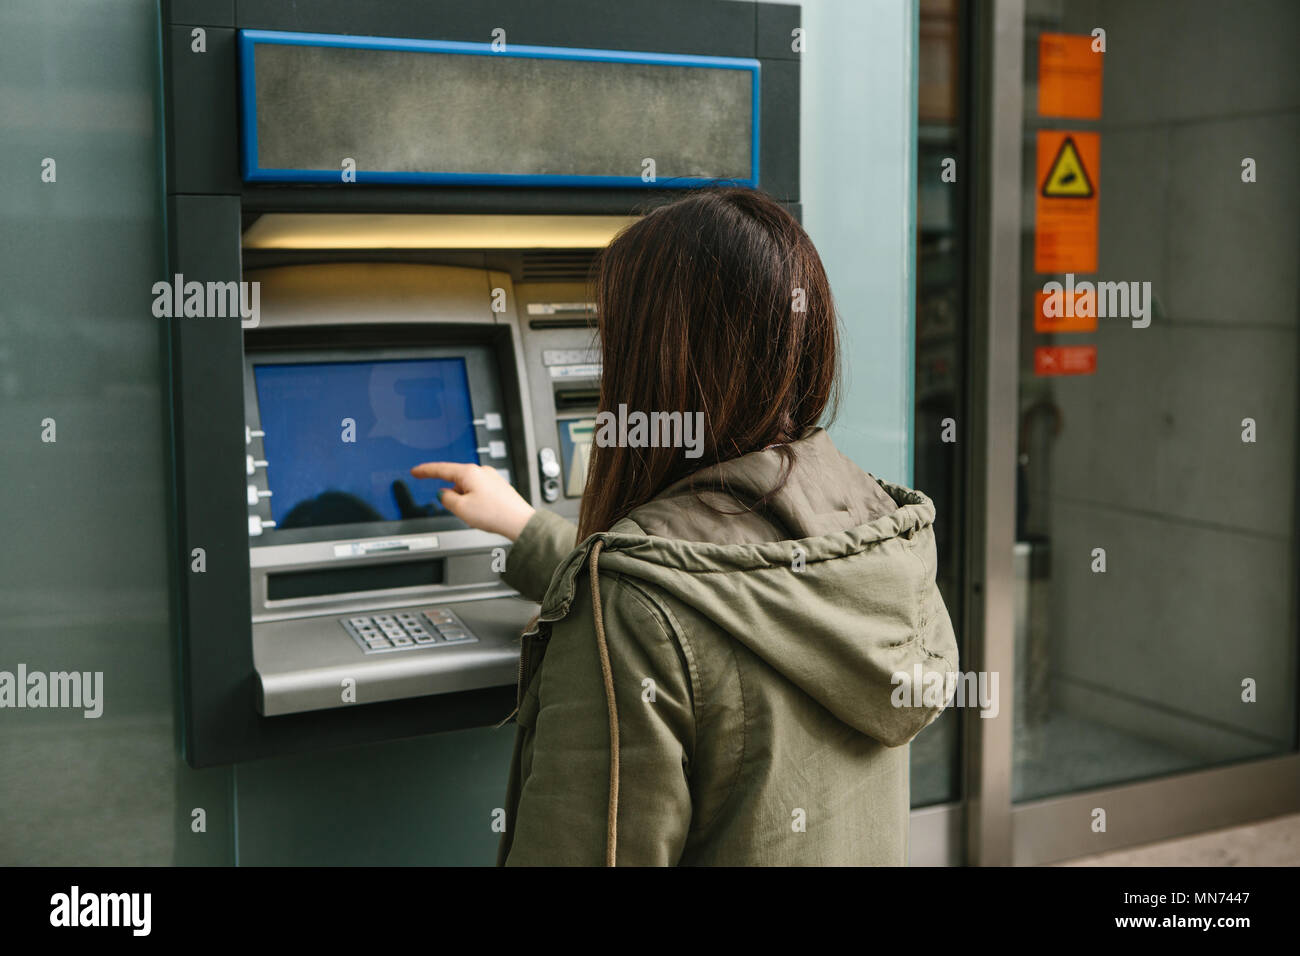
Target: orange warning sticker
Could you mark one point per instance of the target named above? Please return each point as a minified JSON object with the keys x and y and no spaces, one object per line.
{"x":1066,"y":201}
{"x":1065,"y":311}
{"x":1066,"y":177}
{"x":1065,"y":360}
{"x":1069,"y":76}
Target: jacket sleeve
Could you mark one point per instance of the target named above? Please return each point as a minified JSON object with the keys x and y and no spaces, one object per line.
{"x":563,"y":803}
{"x":540,"y":548}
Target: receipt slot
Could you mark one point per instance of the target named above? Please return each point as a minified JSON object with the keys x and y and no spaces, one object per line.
{"x":405,"y":284}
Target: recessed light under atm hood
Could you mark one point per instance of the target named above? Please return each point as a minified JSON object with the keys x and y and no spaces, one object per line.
{"x":430,"y":231}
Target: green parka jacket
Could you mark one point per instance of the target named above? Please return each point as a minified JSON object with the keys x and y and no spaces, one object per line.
{"x":736,"y":705}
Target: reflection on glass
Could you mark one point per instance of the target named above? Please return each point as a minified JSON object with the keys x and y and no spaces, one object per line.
{"x":940,"y":345}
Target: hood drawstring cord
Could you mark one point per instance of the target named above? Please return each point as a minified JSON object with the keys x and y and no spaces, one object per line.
{"x":611,"y":706}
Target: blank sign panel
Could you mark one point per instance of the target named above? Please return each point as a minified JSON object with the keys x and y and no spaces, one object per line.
{"x":412,"y":111}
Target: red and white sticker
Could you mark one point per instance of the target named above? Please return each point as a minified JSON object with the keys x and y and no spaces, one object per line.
{"x":1065,"y":360}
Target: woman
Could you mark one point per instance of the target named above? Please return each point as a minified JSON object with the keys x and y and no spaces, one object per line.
{"x":711,"y":679}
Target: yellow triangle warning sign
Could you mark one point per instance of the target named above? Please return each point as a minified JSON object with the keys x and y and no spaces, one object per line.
{"x":1067,"y":179}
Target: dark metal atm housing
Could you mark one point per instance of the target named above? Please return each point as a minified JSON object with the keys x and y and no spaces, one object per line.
{"x":268,"y":629}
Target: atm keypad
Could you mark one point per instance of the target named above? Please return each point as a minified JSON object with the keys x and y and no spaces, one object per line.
{"x":406,"y":630}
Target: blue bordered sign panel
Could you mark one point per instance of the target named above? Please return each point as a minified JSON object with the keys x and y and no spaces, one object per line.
{"x":318,"y":107}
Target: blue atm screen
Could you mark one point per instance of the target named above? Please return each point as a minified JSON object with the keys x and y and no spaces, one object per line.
{"x":324,"y":470}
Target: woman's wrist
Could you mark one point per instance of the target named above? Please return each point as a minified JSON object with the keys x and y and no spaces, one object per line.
{"x":517,"y":518}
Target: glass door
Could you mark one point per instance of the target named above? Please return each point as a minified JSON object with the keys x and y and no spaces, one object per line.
{"x":1151,"y":585}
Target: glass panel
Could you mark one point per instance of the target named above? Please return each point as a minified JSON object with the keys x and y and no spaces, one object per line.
{"x":83,"y":583}
{"x":941,"y":343}
{"x":1156,"y":627}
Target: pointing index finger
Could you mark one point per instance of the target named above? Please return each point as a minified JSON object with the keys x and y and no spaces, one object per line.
{"x":453,"y":471}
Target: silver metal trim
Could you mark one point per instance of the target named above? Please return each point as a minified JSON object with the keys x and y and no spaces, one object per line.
{"x":1059,"y":828}
{"x":321,"y":553}
{"x":378,"y":602}
{"x":511,"y":319}
{"x":936,"y":835}
{"x":994,"y":385}
{"x":336,"y":293}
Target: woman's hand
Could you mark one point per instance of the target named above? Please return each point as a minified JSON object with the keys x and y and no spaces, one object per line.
{"x":480,"y":497}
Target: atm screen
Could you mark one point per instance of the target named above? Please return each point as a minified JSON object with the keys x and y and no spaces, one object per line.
{"x":341,"y":437}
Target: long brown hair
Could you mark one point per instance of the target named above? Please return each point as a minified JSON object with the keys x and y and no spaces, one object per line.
{"x":714,"y":303}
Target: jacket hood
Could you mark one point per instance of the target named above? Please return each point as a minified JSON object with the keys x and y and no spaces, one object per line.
{"x":831,"y":582}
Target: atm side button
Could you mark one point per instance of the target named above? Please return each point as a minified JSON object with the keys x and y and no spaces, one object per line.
{"x":453,"y":634}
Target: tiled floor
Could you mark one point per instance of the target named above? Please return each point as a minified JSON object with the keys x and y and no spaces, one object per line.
{"x":1273,"y":842}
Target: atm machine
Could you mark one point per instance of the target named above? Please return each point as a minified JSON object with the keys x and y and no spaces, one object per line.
{"x":419,"y":193}
{"x":364,"y":589}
